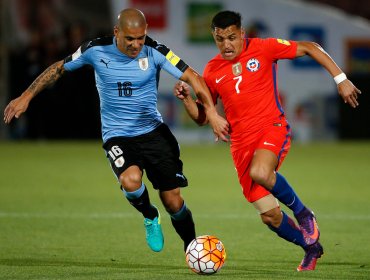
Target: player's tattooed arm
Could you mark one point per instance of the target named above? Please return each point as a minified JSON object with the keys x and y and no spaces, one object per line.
{"x":47,"y":78}
{"x":19,"y":105}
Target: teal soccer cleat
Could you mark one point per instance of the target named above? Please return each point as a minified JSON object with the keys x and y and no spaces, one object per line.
{"x":154,"y":235}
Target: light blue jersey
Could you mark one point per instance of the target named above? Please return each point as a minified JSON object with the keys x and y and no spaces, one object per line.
{"x":128,"y":87}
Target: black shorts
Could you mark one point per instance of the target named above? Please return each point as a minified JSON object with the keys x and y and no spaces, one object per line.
{"x":156,"y":152}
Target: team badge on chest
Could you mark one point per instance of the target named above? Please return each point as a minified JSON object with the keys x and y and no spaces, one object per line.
{"x":253,"y":65}
{"x":143,"y":63}
{"x":237,"y":69}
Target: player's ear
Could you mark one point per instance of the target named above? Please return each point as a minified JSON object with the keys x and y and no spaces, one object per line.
{"x":213,"y":32}
{"x":242,"y":32}
{"x":115,"y":30}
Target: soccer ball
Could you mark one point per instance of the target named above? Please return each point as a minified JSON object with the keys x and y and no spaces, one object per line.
{"x":205,"y":254}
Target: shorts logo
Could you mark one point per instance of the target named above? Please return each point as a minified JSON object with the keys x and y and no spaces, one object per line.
{"x":253,"y":65}
{"x":180,"y":176}
{"x":119,"y":162}
{"x":268,"y":144}
{"x":143,"y":63}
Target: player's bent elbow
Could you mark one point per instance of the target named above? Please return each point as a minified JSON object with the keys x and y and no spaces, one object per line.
{"x":201,"y":120}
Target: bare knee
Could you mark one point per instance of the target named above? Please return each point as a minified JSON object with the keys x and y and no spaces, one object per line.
{"x":262,"y":168}
{"x":262,"y":176}
{"x":272,"y":217}
{"x":131,"y":178}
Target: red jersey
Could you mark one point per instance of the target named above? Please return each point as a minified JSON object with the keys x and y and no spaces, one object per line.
{"x":247,"y":86}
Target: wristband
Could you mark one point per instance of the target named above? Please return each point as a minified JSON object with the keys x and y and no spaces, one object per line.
{"x":340,"y":78}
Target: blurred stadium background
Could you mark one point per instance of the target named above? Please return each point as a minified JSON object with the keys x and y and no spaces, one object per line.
{"x":36,"y":33}
{"x":62,"y":215}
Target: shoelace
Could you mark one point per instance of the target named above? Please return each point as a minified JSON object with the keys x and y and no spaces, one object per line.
{"x":150,"y":227}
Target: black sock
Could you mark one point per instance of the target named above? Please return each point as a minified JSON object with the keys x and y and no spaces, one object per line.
{"x":143,"y":205}
{"x":185,"y":228}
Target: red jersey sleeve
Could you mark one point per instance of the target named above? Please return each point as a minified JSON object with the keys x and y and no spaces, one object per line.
{"x":280,"y":49}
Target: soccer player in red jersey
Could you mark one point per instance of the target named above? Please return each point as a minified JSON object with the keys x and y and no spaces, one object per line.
{"x":244,"y":77}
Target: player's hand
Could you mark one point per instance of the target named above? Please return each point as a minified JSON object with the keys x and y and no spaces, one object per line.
{"x":349,"y":93}
{"x":220,"y":127}
{"x":181,"y":90}
{"x":15,"y":108}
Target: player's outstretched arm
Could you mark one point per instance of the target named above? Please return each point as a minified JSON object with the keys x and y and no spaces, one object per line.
{"x":219,"y":125}
{"x":19,"y":105}
{"x":346,"y":89}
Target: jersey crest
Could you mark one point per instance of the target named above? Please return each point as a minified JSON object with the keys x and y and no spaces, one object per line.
{"x":237,"y":69}
{"x":143,"y":63}
{"x":253,"y":65}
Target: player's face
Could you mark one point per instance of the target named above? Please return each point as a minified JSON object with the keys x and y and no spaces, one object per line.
{"x":229,"y":41}
{"x":130,"y":41}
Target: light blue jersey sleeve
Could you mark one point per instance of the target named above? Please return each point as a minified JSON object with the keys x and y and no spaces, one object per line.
{"x":77,"y":60}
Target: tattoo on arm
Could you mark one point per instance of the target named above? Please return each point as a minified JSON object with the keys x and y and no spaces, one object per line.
{"x":47,"y":78}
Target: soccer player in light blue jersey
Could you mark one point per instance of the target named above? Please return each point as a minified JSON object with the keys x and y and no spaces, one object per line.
{"x":127,"y":67}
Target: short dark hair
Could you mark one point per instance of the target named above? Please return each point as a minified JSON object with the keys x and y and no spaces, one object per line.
{"x":225,"y":19}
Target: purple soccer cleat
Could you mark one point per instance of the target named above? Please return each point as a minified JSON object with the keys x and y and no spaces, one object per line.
{"x":313,"y":252}
{"x":308,"y":225}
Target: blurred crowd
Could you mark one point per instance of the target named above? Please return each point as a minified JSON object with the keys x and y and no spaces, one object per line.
{"x":70,"y":108}
{"x":41,"y":32}
{"x":66,"y":109}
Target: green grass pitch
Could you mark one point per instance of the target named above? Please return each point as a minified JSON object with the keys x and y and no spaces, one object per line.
{"x":62,"y":215}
